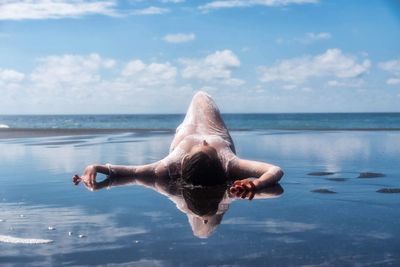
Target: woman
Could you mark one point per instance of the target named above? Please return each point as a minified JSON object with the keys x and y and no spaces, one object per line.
{"x":202,"y":153}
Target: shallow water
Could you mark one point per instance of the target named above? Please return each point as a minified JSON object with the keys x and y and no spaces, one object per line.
{"x":288,"y":121}
{"x":133,"y":225}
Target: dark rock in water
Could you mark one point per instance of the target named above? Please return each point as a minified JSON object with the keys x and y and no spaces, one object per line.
{"x":320,"y":173}
{"x":337,"y":179}
{"x":323,"y":191}
{"x":388,"y":190}
{"x":371,"y":175}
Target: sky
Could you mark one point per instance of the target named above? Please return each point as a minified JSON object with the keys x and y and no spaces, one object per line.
{"x":151,"y":56}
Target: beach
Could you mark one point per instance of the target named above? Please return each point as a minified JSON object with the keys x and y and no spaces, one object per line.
{"x":339,"y":205}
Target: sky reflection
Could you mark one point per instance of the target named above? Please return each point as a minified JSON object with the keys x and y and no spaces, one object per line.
{"x":137,"y":226}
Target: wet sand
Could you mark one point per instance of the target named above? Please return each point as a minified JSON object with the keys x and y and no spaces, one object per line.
{"x":28,"y":133}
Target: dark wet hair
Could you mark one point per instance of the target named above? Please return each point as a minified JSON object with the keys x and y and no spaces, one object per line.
{"x":204,"y":169}
{"x":203,"y":200}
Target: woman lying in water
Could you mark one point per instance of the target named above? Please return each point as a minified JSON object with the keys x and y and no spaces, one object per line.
{"x":202,"y":153}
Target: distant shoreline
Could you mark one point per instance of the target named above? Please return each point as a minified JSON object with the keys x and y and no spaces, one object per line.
{"x":10,"y":133}
{"x":222,"y":113}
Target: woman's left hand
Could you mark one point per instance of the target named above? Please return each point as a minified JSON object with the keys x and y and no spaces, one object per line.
{"x":243,"y":188}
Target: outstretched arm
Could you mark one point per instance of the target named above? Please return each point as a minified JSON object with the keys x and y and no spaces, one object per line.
{"x":119,"y":175}
{"x":252,"y":175}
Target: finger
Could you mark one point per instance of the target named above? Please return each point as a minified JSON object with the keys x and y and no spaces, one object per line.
{"x":249,"y":186}
{"x":240,"y":189}
{"x":252,"y":194}
{"x":238,"y":194}
{"x":76,"y":179}
{"x":91,"y":181}
{"x":246,"y":187}
{"x":237,"y":183}
{"x":233,"y":190}
{"x":252,"y":185}
{"x":88,"y":186}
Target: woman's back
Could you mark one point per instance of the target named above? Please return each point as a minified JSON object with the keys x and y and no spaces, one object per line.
{"x":203,"y":124}
{"x":203,"y":121}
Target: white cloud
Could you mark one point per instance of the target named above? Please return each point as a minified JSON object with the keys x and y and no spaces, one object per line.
{"x":58,"y":81}
{"x":393,"y":68}
{"x":250,"y":3}
{"x":10,"y":82}
{"x":81,"y":76}
{"x":151,"y":11}
{"x":152,"y":74}
{"x":393,"y":81}
{"x":332,"y":63}
{"x":70,"y":70}
{"x":179,"y":37}
{"x":54,"y":9}
{"x":312,"y":37}
{"x":214,"y":67}
{"x":345,"y":83}
{"x":8,"y":75}
{"x":308,"y":38}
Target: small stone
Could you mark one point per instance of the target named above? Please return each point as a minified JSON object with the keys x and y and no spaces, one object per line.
{"x":81,"y":236}
{"x":136,"y":241}
{"x":70,"y":233}
{"x":2,"y":220}
{"x":371,"y":175}
{"x":51,"y":228}
{"x":323,"y":191}
{"x":388,"y":190}
{"x":22,"y":215}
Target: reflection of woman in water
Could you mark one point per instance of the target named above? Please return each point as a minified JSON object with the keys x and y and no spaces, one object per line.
{"x":202,"y":158}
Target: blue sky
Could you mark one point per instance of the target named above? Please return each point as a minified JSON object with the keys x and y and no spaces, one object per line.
{"x":138,"y":56}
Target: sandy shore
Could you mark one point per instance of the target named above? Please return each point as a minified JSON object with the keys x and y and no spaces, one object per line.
{"x":9,"y":133}
{"x":26,"y":133}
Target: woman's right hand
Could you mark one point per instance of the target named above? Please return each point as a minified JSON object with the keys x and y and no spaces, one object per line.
{"x":88,"y":178}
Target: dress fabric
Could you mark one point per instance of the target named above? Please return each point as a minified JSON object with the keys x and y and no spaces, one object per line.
{"x":203,"y":122}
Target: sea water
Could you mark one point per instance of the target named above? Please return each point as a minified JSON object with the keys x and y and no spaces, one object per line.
{"x":298,"y":121}
{"x":330,"y":211}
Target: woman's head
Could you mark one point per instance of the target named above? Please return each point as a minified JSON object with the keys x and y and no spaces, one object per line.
{"x":202,"y":166}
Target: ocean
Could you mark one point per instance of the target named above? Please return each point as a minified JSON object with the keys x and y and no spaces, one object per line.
{"x":295,"y":121}
{"x":337,"y":204}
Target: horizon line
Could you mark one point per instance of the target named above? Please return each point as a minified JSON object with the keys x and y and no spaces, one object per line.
{"x":223,"y":113}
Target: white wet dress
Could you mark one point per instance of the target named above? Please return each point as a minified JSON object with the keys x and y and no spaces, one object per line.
{"x":203,"y":122}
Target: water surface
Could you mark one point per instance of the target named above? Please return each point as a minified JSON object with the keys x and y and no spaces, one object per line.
{"x":134,"y":225}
